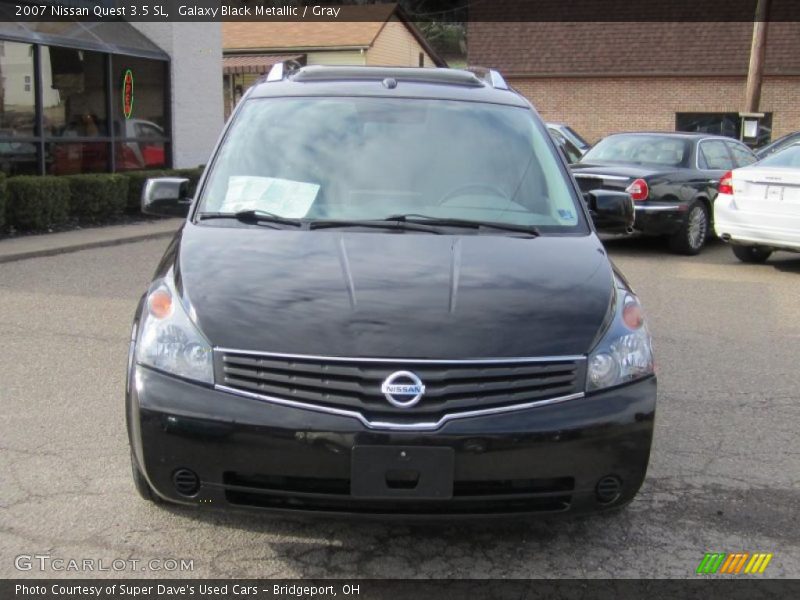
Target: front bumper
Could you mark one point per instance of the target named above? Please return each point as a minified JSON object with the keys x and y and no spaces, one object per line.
{"x":251,"y":453}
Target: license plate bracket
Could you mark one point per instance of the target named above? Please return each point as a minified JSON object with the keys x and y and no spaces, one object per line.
{"x":774,"y":193}
{"x":411,"y":472}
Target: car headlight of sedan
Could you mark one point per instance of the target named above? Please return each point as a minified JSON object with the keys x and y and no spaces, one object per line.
{"x":169,"y":340}
{"x":625,"y":353}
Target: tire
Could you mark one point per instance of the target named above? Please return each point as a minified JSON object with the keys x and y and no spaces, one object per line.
{"x":140,"y":483}
{"x":751,"y":254}
{"x":692,"y":235}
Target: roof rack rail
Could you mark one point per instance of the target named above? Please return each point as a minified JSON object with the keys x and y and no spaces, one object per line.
{"x":490,"y":76}
{"x":412,"y":74}
{"x":471,"y":76}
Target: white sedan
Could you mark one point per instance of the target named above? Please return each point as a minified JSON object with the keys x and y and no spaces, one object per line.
{"x":758,"y":207}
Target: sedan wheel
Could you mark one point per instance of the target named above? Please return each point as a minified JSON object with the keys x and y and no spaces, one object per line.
{"x":751,"y":254}
{"x":692,"y":235}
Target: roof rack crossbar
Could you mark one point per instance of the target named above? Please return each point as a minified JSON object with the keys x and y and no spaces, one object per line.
{"x":411,"y":74}
{"x":472,"y":76}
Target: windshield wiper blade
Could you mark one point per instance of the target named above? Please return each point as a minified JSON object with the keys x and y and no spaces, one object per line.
{"x":452,"y":222}
{"x":379,"y":224}
{"x":251,"y":216}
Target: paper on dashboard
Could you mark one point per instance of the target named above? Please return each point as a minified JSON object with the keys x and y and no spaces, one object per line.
{"x":283,"y":197}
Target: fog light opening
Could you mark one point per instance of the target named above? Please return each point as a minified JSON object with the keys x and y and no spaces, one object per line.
{"x":608,"y":489}
{"x":186,"y":482}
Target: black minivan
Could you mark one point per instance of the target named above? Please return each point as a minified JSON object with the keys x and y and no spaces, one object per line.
{"x":389,"y":298}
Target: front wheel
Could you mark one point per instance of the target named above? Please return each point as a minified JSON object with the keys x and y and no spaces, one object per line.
{"x":751,"y":254}
{"x":692,"y":235}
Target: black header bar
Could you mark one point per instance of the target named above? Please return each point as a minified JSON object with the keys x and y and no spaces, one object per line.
{"x":416,"y":10}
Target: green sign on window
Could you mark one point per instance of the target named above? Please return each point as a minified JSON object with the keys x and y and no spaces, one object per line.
{"x":127,"y":94}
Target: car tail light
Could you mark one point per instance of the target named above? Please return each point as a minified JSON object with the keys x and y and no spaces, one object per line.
{"x":726,"y":183}
{"x":638,"y":190}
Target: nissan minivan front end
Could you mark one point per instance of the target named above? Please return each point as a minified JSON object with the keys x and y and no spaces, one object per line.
{"x":388,"y":298}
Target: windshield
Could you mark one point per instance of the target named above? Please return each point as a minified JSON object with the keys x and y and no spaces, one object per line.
{"x":790,"y":157}
{"x":640,"y":149}
{"x":370,"y":159}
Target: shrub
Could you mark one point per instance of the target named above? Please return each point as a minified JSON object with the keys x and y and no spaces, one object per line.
{"x":2,"y":199}
{"x":97,"y":197}
{"x":36,"y":202}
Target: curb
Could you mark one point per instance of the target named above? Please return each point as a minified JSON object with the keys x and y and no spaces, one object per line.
{"x":7,"y":258}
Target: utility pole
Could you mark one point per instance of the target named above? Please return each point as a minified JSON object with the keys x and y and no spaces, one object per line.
{"x":755,"y":72}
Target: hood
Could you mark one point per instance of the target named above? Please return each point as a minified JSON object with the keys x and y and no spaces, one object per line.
{"x":393,"y":295}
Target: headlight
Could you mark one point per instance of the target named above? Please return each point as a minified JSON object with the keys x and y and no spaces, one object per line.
{"x":168,"y":339}
{"x":625,"y":353}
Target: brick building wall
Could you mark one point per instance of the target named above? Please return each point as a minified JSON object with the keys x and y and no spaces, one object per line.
{"x":596,"y":107}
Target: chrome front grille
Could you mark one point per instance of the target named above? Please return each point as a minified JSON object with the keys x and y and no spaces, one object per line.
{"x":354,"y":384}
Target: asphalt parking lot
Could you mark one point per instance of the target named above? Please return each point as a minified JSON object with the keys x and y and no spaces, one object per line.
{"x":724,"y":473}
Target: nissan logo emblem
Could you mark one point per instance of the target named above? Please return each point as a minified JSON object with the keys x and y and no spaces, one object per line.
{"x":403,"y":389}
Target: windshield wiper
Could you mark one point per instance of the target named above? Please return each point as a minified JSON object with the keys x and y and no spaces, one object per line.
{"x":451,"y":222}
{"x":251,"y":216}
{"x":375,"y":224}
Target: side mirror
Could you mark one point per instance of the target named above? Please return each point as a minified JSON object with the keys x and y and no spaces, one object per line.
{"x":166,"y":197}
{"x":612,"y":212}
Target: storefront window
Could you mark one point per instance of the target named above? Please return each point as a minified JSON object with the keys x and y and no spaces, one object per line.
{"x":140,"y":154}
{"x":728,"y":124}
{"x":66,"y":110}
{"x":139,"y":97}
{"x":73,"y":93}
{"x":17,"y":94}
{"x":77,"y":157}
{"x":18,"y":158}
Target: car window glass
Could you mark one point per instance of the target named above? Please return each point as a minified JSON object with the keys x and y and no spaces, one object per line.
{"x":790,"y":157}
{"x":716,"y":155}
{"x":573,"y":154}
{"x":741,"y":155}
{"x":148,"y":130}
{"x":559,"y":139}
{"x":640,"y":149}
{"x":577,"y":139}
{"x":571,"y":151}
{"x":369,"y":158}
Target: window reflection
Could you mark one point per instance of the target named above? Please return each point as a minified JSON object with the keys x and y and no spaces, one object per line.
{"x":148,"y":79}
{"x":140,"y":154}
{"x":18,"y":158}
{"x":73,"y":93}
{"x":79,"y":157}
{"x":77,"y":92}
{"x":17,"y":96}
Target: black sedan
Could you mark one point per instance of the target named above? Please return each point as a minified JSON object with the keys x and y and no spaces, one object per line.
{"x":672,"y":178}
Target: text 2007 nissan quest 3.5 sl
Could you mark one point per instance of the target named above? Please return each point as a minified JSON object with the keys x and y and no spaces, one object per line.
{"x":389,"y":298}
